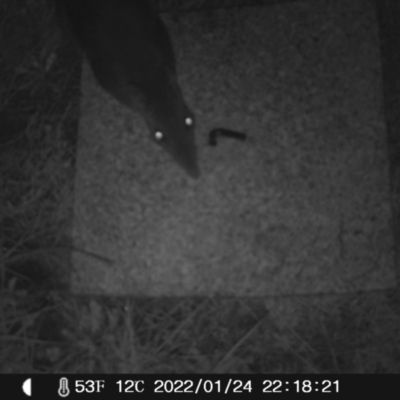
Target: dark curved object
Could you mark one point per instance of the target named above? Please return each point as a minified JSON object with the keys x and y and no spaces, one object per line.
{"x":212,"y":139}
{"x":132,"y":58}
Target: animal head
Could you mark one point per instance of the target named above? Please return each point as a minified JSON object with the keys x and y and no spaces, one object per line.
{"x":171,"y":124}
{"x":132,"y":58}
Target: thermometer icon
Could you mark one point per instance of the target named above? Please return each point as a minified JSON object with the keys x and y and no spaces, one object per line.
{"x":63,"y":390}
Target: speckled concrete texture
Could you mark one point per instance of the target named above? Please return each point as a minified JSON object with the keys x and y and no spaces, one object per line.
{"x":302,"y":206}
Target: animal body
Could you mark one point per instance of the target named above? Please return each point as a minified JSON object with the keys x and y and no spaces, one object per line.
{"x":131,"y":56}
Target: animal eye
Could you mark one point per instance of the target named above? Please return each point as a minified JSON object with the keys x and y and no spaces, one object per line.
{"x":188,"y":121}
{"x":158,"y":135}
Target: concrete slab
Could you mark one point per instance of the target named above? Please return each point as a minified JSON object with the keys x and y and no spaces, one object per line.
{"x":302,"y":206}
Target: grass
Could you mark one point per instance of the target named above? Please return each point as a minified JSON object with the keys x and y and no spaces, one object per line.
{"x":46,"y":329}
